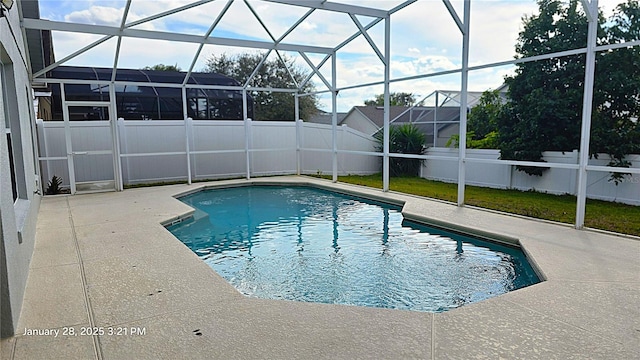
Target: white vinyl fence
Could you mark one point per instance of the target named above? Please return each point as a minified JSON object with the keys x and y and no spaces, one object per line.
{"x":156,"y":151}
{"x":554,"y":180}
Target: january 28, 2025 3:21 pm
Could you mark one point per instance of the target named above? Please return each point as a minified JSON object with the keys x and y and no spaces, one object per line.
{"x":87,"y":331}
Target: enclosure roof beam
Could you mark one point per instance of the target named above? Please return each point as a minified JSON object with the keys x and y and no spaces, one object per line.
{"x":206,"y":36}
{"x":116,"y":58}
{"x":73,"y":55}
{"x":331,"y":6}
{"x":162,"y":85}
{"x":369,"y":39}
{"x":278,"y":41}
{"x":590,"y":11}
{"x":316,"y":71}
{"x":257,"y":68}
{"x":401,"y":6}
{"x":275,"y":42}
{"x":454,"y":15}
{"x":352,"y":37}
{"x":162,"y":35}
{"x":168,"y":12}
{"x":310,"y":76}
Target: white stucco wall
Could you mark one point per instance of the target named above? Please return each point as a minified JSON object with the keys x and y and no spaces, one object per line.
{"x":17,"y":219}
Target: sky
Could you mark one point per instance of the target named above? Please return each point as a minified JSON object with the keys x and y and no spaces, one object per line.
{"x":424,"y":39}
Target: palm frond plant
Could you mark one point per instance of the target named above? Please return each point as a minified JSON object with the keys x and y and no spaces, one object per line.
{"x":54,"y":186}
{"x":404,"y":139}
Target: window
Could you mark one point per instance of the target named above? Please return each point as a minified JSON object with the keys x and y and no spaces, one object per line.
{"x":12,"y":132}
{"x":14,"y":186}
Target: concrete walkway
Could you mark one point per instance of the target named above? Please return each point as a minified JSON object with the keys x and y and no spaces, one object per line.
{"x":108,"y":275}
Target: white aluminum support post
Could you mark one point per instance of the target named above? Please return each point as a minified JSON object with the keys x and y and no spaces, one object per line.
{"x":67,"y":139}
{"x":334,"y":119}
{"x":385,"y":125}
{"x":187,"y":128}
{"x":247,"y":134}
{"x":298,"y":124}
{"x":462,"y":148}
{"x":435,"y":122}
{"x":115,"y":136}
{"x":591,"y":9}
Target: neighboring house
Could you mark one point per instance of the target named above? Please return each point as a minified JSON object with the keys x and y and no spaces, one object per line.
{"x":138,"y":102}
{"x":370,"y":119}
{"x":438,"y":123}
{"x":325,"y":118}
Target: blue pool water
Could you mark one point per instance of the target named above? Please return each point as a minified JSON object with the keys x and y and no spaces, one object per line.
{"x":307,"y":244}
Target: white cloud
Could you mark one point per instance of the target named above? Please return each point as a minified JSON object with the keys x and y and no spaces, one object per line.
{"x":424,"y":38}
{"x":308,"y":26}
{"x":98,"y":15}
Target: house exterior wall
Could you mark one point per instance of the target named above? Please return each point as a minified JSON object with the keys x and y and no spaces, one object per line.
{"x":445,"y":134}
{"x":17,"y":217}
{"x":357,"y":121}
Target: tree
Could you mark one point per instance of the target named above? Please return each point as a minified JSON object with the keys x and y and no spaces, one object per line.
{"x":482,"y":122}
{"x":615,"y":126}
{"x":269,"y":105}
{"x":404,"y":139}
{"x":163,"y":67}
{"x":483,"y":118}
{"x":395,"y":99}
{"x":490,"y":141}
{"x":544,"y":110}
{"x":545,"y":97}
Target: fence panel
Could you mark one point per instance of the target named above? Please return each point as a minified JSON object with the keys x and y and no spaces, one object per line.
{"x":214,"y":135}
{"x":51,"y":143}
{"x":316,"y":144}
{"x":280,"y":138}
{"x":600,"y":186}
{"x":155,"y":151}
{"x":357,"y":164}
{"x":554,"y":180}
{"x":92,"y":136}
{"x":152,"y":151}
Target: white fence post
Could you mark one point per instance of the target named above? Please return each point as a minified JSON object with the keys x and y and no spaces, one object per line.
{"x":247,"y":145}
{"x":187,"y":133}
{"x":298,"y":144}
{"x":122,"y":130}
{"x":40,"y":126}
{"x":117,"y":153}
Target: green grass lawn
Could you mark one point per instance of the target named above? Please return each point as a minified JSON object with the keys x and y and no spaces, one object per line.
{"x":603,"y":215}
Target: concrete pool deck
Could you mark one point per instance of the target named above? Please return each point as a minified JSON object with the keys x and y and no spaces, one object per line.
{"x":104,"y":261}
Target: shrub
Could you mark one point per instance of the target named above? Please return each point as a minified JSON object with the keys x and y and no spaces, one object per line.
{"x":404,"y":139}
{"x":53,"y":187}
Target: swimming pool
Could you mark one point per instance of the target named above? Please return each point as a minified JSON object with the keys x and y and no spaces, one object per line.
{"x":307,"y":244}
